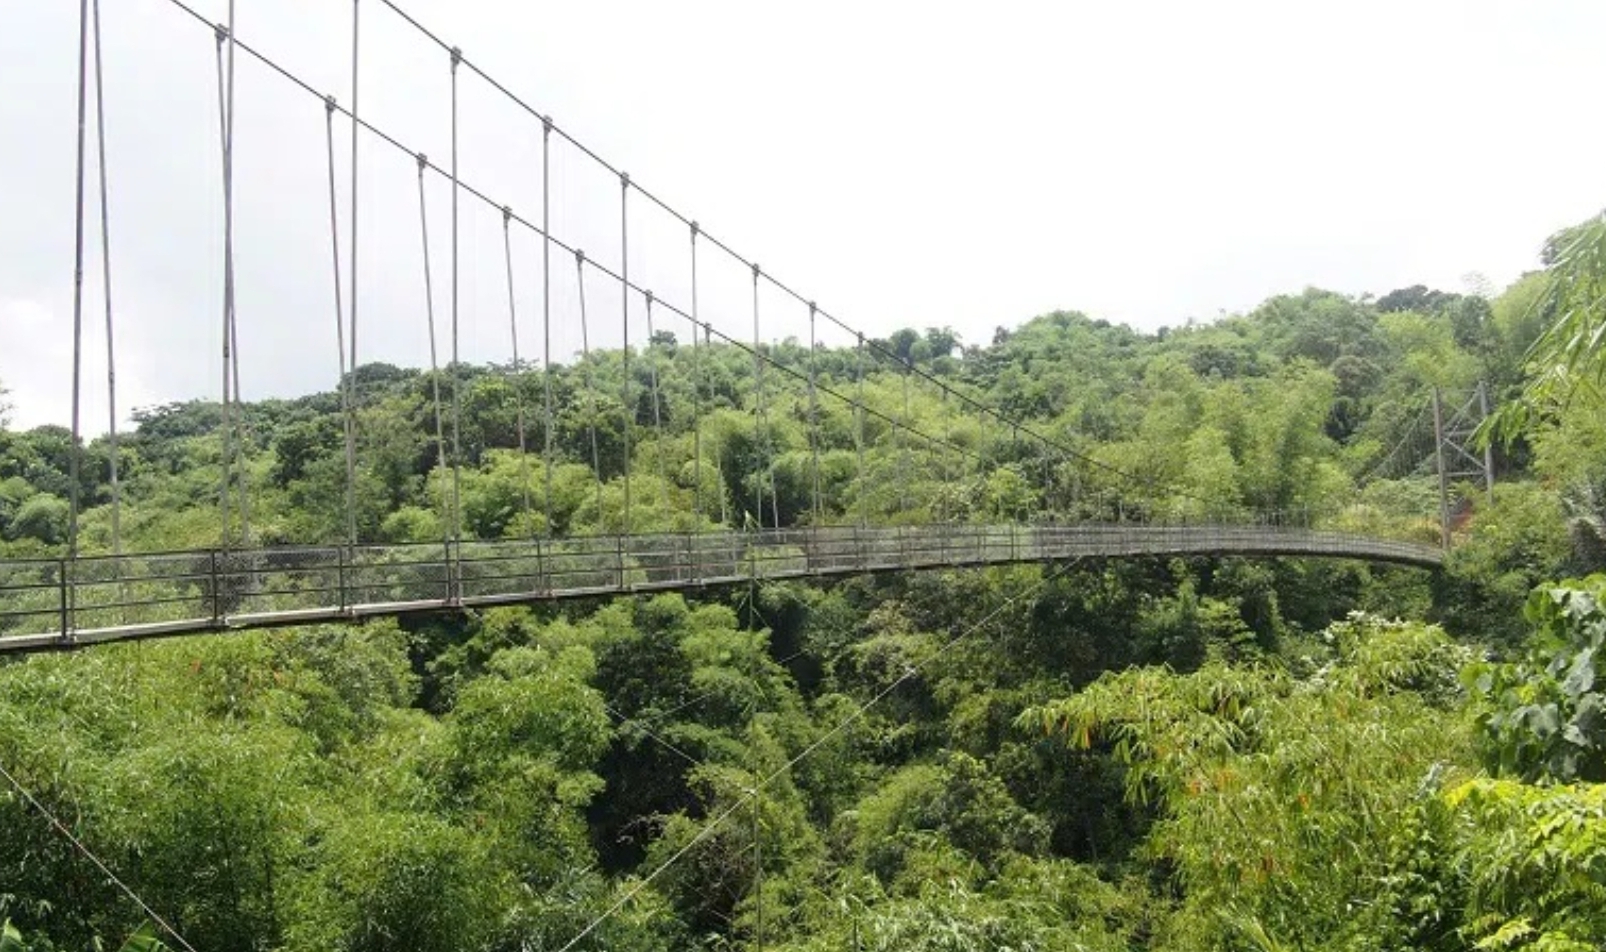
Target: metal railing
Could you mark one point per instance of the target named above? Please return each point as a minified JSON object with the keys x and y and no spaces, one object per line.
{"x":52,"y":604}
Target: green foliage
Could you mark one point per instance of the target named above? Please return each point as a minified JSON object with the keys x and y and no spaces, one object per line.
{"x":1158,"y":754}
{"x":1034,"y":907}
{"x":1297,"y":814}
{"x":1537,"y":855}
{"x":1517,"y":542}
{"x":1566,"y":357}
{"x":957,"y":803}
{"x":1544,"y":717}
{"x":42,"y":518}
{"x":389,"y":881}
{"x":1569,"y":447}
{"x":143,"y":939}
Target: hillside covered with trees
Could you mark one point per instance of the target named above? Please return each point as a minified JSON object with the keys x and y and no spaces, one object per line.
{"x":1142,"y":754}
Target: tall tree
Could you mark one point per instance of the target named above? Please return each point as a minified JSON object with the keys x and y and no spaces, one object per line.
{"x":1569,"y":355}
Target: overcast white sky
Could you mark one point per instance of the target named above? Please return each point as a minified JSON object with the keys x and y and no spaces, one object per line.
{"x":902,"y":163}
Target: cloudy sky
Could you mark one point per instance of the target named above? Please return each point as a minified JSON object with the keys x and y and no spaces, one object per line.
{"x":901,"y":163}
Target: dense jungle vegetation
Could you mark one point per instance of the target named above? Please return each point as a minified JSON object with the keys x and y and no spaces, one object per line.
{"x":1187,"y":754}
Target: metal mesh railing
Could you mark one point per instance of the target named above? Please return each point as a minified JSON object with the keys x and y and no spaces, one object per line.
{"x":54,"y":603}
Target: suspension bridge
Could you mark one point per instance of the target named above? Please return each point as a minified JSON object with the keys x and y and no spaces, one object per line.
{"x":804,"y":501}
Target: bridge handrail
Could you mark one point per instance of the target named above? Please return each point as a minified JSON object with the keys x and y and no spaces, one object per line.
{"x":64,"y":603}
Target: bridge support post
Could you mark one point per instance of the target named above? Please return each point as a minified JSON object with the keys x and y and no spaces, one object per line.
{"x":541,"y":579}
{"x":340,"y":578}
{"x":752,"y":552}
{"x":693,"y":569}
{"x":66,"y":612}
{"x":217,"y":588}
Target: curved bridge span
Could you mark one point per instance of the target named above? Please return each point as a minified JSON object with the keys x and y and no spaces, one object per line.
{"x":49,"y":605}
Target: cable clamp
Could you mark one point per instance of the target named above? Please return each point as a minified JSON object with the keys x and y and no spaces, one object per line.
{"x":755,"y":271}
{"x":507,"y":214}
{"x":624,"y":179}
{"x":813,"y":309}
{"x":579,"y":256}
{"x":696,"y":229}
{"x":222,"y":33}
{"x":423,"y":161}
{"x":457,"y":57}
{"x":546,"y":125}
{"x":649,"y":298}
{"x":329,"y":104}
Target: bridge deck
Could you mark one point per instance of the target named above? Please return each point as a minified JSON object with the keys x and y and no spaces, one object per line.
{"x":60,"y":604}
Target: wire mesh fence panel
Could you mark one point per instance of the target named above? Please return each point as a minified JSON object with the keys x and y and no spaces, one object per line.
{"x":778,"y":560}
{"x":167,"y":588}
{"x":31,"y":596}
{"x":503,"y":568}
{"x":270,"y":581}
{"x":659,"y":559}
{"x":832,"y":549}
{"x":396,"y":574}
{"x":587,"y":563}
{"x":719,"y":555}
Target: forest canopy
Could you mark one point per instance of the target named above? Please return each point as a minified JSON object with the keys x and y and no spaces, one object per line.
{"x":1125,"y":754}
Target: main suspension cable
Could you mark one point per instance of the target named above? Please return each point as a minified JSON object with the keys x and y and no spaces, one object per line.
{"x":979,"y":406}
{"x":1412,"y":439}
{"x":609,"y":273}
{"x":888,"y":419}
{"x":736,"y":256}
